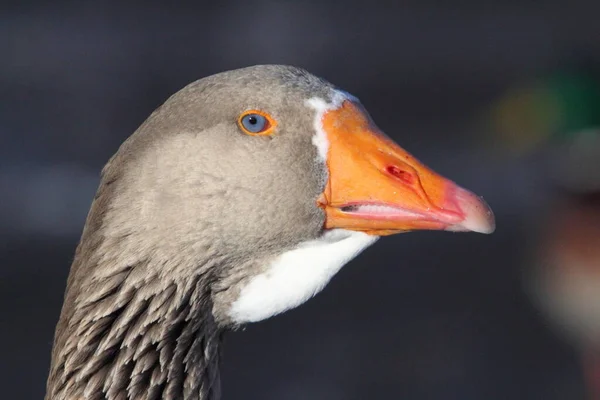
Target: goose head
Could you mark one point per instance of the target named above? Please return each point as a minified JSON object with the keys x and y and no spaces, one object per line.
{"x":238,"y":199}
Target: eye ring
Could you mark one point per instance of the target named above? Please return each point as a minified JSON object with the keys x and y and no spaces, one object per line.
{"x":256,"y":123}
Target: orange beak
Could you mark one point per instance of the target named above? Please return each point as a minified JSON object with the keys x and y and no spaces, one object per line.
{"x":377,"y":187}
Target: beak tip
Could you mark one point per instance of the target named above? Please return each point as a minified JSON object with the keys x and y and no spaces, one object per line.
{"x":479,"y":217}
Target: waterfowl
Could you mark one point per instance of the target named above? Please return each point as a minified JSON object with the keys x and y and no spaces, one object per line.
{"x":556,"y":117}
{"x":565,"y":278}
{"x":236,"y":200}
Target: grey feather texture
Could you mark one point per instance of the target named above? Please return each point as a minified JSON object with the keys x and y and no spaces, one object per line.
{"x":187,"y":210}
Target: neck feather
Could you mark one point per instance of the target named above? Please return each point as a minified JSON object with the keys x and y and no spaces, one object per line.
{"x":130,"y":335}
{"x":137,"y":320}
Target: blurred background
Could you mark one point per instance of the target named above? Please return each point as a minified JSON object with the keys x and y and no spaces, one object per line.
{"x":500,"y":96}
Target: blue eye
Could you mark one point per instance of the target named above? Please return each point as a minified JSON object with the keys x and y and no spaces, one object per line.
{"x":256,"y":123}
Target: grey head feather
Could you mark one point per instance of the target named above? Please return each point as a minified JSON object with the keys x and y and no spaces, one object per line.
{"x":187,"y":211}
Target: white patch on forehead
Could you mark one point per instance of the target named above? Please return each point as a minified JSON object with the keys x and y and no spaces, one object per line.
{"x":297,"y":275}
{"x":321,"y":107}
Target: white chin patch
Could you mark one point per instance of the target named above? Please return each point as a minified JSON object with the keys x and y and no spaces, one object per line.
{"x":297,"y":275}
{"x":321,"y":107}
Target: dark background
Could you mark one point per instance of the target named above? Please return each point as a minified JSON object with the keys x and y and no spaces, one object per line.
{"x":419,"y":316}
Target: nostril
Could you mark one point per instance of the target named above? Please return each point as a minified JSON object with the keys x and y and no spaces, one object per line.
{"x":405,"y":176}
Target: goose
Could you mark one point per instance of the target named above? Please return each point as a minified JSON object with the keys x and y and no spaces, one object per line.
{"x":237,"y":199}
